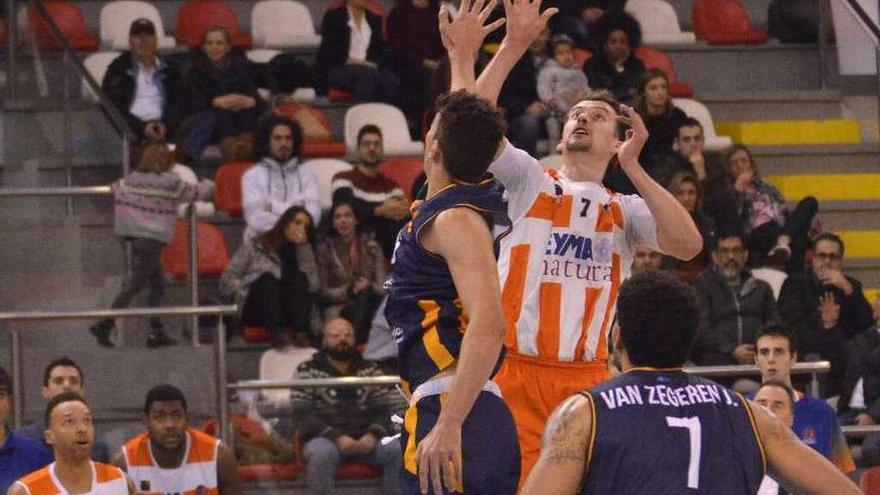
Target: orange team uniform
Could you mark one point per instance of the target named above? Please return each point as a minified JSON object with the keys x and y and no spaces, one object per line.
{"x":197,"y":474}
{"x":106,"y":480}
{"x":560,"y":269}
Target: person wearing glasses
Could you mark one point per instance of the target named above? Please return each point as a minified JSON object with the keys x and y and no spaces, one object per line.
{"x":825,"y":308}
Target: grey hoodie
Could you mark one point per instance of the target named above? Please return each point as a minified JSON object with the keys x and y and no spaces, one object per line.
{"x":268,"y":189}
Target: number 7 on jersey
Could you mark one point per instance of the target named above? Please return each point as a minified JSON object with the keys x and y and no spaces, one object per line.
{"x":695,"y":433}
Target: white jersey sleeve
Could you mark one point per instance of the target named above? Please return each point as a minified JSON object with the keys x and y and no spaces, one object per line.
{"x":521,"y":176}
{"x":641,"y":228}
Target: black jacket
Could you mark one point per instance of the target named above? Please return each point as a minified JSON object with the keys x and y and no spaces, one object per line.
{"x":863,"y":363}
{"x":119,"y":85}
{"x":336,"y":40}
{"x":521,"y":88}
{"x":799,"y":305}
{"x":729,"y":317}
{"x":207,"y":80}
{"x":601,"y":74}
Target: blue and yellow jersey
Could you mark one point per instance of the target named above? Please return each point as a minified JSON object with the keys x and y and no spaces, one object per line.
{"x":423,"y":308}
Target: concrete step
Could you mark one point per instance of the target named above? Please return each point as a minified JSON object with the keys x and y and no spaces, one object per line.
{"x":833,"y":187}
{"x":807,"y":159}
{"x":862,"y":244}
{"x":866,"y":271}
{"x":791,"y":132}
{"x":850,"y":215}
{"x":773,"y":105}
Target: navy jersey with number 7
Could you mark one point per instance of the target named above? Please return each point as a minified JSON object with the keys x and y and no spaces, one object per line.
{"x":665,"y":432}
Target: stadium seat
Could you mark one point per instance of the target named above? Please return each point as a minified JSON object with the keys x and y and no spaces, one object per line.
{"x":262,"y":55}
{"x":249,"y":428}
{"x":352,"y":470}
{"x":326,"y":168}
{"x":204,"y":209}
{"x":339,"y":95}
{"x":70,"y":20}
{"x":403,"y":171}
{"x":213,"y":253}
{"x":227,"y":195}
{"x":395,"y":132}
{"x":196,"y":16}
{"x":699,"y":111}
{"x":117,"y":16}
{"x":657,"y":59}
{"x":317,"y":130}
{"x":283,"y":24}
{"x":870,"y":481}
{"x":96,"y":64}
{"x":255,"y":335}
{"x":724,"y":22}
{"x":581,"y":56}
{"x":659,"y":22}
{"x":281,"y":364}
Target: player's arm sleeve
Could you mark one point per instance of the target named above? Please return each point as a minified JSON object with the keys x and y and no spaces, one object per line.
{"x":639,"y":223}
{"x":565,"y":450}
{"x":521,"y":176}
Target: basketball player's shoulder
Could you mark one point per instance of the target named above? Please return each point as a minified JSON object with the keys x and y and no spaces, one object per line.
{"x":569,"y":429}
{"x":107,"y":472}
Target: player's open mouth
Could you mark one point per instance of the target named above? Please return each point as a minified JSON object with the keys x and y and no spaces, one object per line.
{"x":581,"y":131}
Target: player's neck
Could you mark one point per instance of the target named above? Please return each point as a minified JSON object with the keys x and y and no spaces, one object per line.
{"x":582,"y":166}
{"x":168,"y":459}
{"x":73,"y":473}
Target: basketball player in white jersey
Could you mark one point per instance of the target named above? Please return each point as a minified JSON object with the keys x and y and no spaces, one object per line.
{"x":173,"y":458}
{"x":573,"y":240}
{"x":70,"y":432}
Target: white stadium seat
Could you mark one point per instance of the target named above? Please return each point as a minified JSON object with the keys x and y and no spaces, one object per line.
{"x":117,"y":16}
{"x":96,"y":64}
{"x":697,"y":110}
{"x":659,"y":22}
{"x":395,"y":132}
{"x":283,"y":24}
{"x":325,"y":169}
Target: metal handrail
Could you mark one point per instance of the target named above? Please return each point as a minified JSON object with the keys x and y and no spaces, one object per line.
{"x":869,"y":27}
{"x":90,"y":314}
{"x":806,"y":368}
{"x":14,"y":192}
{"x":859,"y":431}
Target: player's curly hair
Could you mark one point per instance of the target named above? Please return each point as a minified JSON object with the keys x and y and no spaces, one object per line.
{"x":469,"y":132}
{"x":657,"y":317}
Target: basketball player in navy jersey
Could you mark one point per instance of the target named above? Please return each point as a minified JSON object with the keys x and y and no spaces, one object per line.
{"x":656,"y":430}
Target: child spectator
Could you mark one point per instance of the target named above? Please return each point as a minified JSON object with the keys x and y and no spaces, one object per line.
{"x":561,"y":84}
{"x":146,"y":213}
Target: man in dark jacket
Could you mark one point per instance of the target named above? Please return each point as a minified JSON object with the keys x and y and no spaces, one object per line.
{"x":347,"y":423}
{"x":734,"y":307}
{"x":825,"y":308}
{"x":352,"y":54}
{"x":143,"y":86}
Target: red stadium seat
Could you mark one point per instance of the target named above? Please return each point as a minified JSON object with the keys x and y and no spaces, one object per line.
{"x":339,"y":95}
{"x":724,"y":22}
{"x":228,"y":193}
{"x":249,"y":428}
{"x":213,"y":253}
{"x":870,"y":481}
{"x":404,"y":171}
{"x":255,"y":335}
{"x":353,"y":470}
{"x":581,"y":56}
{"x":69,"y":19}
{"x":196,"y":16}
{"x":657,"y":59}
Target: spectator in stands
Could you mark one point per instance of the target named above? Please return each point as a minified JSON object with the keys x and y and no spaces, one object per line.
{"x":378,"y":201}
{"x":416,"y":50}
{"x":773,"y":234}
{"x":62,"y":375}
{"x":352,"y":270}
{"x":561,"y":84}
{"x":734,"y":306}
{"x":576,"y":18}
{"x":19,"y":455}
{"x":815,"y":422}
{"x":172,"y":457}
{"x":646,"y":259}
{"x":352,"y":54}
{"x":221,"y":94}
{"x":661,"y":117}
{"x":687,"y":190}
{"x":144,"y":86}
{"x":825,"y":308}
{"x":859,"y":402}
{"x":344,"y":424}
{"x":273,"y":277}
{"x":779,"y":398}
{"x":278,"y":181}
{"x":145,"y":215}
{"x":519,"y":98}
{"x":614,"y":67}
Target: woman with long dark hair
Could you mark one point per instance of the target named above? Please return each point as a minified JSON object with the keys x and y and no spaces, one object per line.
{"x":273,"y":277}
{"x":688,"y":191}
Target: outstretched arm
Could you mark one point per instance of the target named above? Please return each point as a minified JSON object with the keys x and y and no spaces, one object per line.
{"x":564,"y":450}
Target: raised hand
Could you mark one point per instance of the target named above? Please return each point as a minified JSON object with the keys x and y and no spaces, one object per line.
{"x":636,"y":136}
{"x":464,"y":35}
{"x":525,"y":21}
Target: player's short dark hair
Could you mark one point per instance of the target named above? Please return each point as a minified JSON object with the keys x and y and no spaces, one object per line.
{"x":689,"y":122}
{"x":368,"y":129}
{"x":828,"y":236}
{"x":657,"y":317}
{"x":781,"y":332}
{"x":264,"y":134}
{"x":62,"y":361}
{"x":58,"y":400}
{"x":164,"y":393}
{"x":469,"y":132}
{"x":5,"y":382}
{"x":792,"y":398}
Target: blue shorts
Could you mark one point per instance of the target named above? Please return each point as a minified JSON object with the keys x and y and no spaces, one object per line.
{"x":489,"y":445}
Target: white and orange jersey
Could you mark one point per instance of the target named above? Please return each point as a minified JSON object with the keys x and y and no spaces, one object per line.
{"x":560,"y":268}
{"x":106,"y":480}
{"x":197,"y":474}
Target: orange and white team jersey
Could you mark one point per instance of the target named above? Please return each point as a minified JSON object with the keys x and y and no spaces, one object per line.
{"x":560,"y":268}
{"x":197,"y":474}
{"x":106,"y":480}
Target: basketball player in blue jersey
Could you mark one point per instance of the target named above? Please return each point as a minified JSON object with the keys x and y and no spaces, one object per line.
{"x":656,"y":430}
{"x":444,"y":307}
